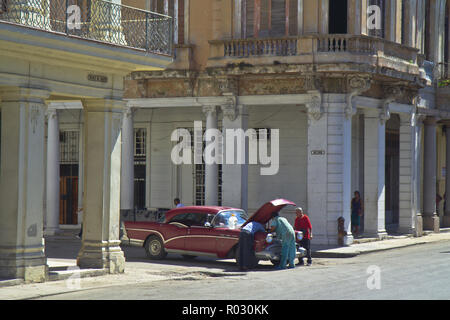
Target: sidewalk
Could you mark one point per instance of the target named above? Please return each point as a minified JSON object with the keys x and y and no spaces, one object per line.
{"x":363,"y":246}
{"x":62,"y":250}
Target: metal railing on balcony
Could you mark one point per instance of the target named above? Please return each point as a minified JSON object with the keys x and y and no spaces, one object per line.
{"x":96,"y":20}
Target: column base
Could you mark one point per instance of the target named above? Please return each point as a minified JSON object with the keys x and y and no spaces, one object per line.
{"x":348,"y":240}
{"x":431,"y":223}
{"x":418,"y":231}
{"x":95,"y":255}
{"x":32,"y":269}
{"x":446,"y":221}
{"x":380,"y":235}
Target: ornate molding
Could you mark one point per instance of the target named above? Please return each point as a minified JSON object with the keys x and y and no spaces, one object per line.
{"x":315,"y":107}
{"x":209,"y":109}
{"x":356,"y":85}
{"x":229,"y":108}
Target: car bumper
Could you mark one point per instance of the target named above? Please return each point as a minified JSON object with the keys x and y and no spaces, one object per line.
{"x":273,"y":253}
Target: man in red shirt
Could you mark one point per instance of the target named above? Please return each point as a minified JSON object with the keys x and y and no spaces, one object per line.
{"x":302,"y":223}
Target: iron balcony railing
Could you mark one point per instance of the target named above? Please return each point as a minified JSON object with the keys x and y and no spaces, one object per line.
{"x":96,"y":20}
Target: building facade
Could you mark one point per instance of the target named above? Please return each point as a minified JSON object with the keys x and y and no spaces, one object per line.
{"x":70,"y":55}
{"x":353,"y":91}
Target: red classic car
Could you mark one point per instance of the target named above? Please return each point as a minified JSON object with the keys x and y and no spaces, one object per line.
{"x":206,"y":230}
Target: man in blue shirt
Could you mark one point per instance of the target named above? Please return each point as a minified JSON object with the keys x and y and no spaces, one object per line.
{"x":247,"y":259}
{"x":177,"y":203}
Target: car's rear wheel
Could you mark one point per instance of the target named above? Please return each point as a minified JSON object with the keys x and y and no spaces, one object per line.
{"x":154,"y":248}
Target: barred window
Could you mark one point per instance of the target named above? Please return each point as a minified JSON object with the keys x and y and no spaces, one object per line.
{"x":140,"y":141}
{"x":140,"y":166}
{"x":69,"y":147}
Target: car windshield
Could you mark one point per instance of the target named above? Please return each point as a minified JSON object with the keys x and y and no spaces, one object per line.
{"x":231,"y":219}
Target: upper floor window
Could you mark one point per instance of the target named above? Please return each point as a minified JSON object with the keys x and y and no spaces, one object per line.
{"x":269,"y":18}
{"x":338,"y":17}
{"x":174,"y":9}
{"x":381,"y":8}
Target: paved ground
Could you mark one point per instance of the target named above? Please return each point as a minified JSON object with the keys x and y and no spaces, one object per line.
{"x":176,"y":278}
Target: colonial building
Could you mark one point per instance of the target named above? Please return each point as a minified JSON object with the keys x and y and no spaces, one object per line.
{"x":352,"y":86}
{"x":70,"y":55}
{"x":354,"y":91}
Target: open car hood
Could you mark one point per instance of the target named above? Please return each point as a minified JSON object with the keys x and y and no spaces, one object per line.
{"x":264,"y":214}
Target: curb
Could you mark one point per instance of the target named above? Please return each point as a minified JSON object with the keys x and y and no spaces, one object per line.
{"x":10,"y":283}
{"x":349,"y":252}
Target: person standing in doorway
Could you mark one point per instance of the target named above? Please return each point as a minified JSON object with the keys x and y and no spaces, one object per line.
{"x":357,"y":213}
{"x":303,"y":224}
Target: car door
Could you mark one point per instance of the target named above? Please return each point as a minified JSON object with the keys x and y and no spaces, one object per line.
{"x":175,"y":232}
{"x":200,"y":238}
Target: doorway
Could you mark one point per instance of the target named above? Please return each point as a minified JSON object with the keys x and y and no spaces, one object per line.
{"x":338,"y":15}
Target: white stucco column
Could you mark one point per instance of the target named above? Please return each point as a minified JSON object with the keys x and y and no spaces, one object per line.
{"x":329,"y":166}
{"x":211,"y":169}
{"x":374,"y":173}
{"x":21,"y":184}
{"x":407,"y":174}
{"x":53,"y":176}
{"x":235,"y":176}
{"x":127,"y":167}
{"x":100,"y":244}
{"x":430,"y":217}
{"x":446,"y":218}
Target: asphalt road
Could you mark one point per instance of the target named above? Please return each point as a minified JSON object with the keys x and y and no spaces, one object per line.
{"x":418,"y":272}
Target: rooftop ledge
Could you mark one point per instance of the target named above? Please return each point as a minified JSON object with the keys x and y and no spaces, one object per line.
{"x":331,"y":50}
{"x":98,"y":21}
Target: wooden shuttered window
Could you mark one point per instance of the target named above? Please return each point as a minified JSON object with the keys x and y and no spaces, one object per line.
{"x":269,"y":18}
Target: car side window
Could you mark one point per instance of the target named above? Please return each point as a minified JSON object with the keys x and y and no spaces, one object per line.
{"x":191,"y":219}
{"x":181,"y":218}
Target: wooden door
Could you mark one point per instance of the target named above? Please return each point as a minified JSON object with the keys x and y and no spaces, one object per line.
{"x":68,"y":200}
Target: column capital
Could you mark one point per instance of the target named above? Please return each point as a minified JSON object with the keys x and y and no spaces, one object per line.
{"x":315,"y":107}
{"x":51,"y":113}
{"x":209,"y":109}
{"x":129,"y":111}
{"x":230,"y":108}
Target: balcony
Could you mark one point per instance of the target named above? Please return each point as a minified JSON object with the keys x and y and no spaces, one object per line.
{"x":95,"y":20}
{"x":331,"y":53}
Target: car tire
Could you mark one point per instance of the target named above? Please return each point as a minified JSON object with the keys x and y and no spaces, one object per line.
{"x":154,"y":248}
{"x":188,"y":257}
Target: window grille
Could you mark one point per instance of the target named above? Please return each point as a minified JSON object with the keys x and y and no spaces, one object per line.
{"x":140,"y":165}
{"x":69,"y":147}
